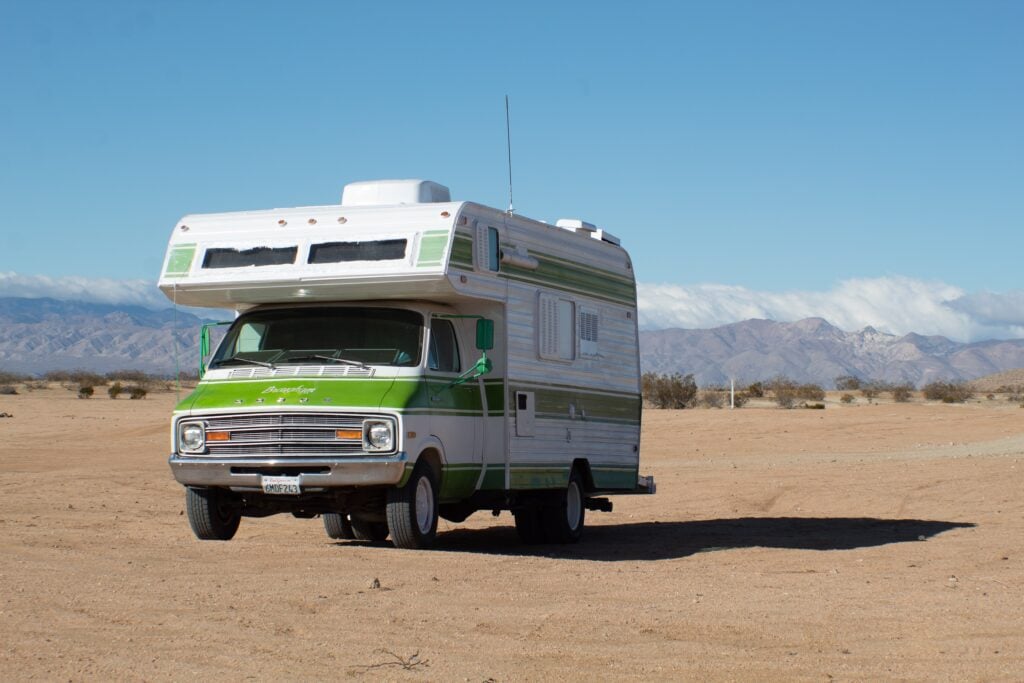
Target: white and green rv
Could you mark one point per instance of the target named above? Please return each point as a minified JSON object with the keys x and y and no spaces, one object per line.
{"x":400,"y":357}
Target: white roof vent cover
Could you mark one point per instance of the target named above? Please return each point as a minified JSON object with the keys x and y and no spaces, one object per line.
{"x":393,"y":192}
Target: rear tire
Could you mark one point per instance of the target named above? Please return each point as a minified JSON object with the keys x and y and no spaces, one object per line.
{"x":338,"y":526}
{"x":212,"y":514}
{"x":412,"y":509}
{"x":363,"y":530}
{"x":563,"y":523}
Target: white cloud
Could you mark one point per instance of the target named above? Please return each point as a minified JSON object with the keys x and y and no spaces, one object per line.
{"x":897,"y":305}
{"x":75,"y":288}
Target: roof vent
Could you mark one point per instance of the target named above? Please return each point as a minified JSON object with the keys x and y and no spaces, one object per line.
{"x":584,"y":228}
{"x":393,"y":192}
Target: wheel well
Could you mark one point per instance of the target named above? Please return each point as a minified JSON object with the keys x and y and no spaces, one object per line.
{"x":583,"y":466}
{"x":434,"y":459}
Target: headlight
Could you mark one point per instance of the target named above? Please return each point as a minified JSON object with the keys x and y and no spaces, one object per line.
{"x":193,"y":437}
{"x":378,"y":436}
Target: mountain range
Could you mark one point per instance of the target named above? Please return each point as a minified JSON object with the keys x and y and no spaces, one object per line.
{"x":38,"y":335}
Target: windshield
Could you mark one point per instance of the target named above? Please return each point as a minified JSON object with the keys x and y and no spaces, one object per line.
{"x":351,"y":336}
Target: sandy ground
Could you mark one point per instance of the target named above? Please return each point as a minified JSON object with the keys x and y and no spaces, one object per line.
{"x":855,"y":543}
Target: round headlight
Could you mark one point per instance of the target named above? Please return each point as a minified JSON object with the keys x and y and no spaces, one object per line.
{"x":193,"y":437}
{"x":379,"y":436}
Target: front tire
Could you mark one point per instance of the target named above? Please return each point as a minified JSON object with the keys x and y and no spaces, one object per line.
{"x":338,"y":526}
{"x":212,"y":514}
{"x":412,"y":509}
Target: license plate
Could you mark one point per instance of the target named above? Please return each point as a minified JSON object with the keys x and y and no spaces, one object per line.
{"x":281,"y":485}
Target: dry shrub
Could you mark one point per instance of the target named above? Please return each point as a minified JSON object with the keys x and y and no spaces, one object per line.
{"x":711,"y":399}
{"x":69,"y":378}
{"x":756,"y":390}
{"x":669,"y":391}
{"x":847,"y":383}
{"x":8,"y":390}
{"x":137,"y":393}
{"x":86,"y":392}
{"x":901,"y":393}
{"x":115,"y":390}
{"x":872,"y":389}
{"x":13,"y":377}
{"x":847,"y":398}
{"x":947,"y":392}
{"x":815,"y":406}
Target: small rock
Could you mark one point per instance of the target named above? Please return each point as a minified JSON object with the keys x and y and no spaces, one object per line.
{"x":375,"y":584}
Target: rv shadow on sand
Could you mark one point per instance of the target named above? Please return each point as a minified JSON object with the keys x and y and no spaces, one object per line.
{"x":669,"y":540}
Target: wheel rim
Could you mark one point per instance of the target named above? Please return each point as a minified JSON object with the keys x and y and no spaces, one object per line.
{"x":573,"y":505}
{"x":424,"y":505}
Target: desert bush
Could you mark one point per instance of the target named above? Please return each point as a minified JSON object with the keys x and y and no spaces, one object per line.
{"x":873,"y":388}
{"x":115,"y":390}
{"x":810,"y":392}
{"x":815,"y":406}
{"x":669,"y":391}
{"x":847,"y":383}
{"x":756,"y":390}
{"x":711,"y":399}
{"x":137,"y":393}
{"x":991,"y":397}
{"x":783,"y":390}
{"x":8,"y":390}
{"x":86,"y":392}
{"x":12,"y":377}
{"x":740,"y":399}
{"x":79,"y":377}
{"x":847,"y":398}
{"x":901,"y":393}
{"x":947,"y":392}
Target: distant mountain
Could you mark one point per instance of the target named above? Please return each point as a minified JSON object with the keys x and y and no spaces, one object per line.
{"x":812,"y":350}
{"x":37,"y":335}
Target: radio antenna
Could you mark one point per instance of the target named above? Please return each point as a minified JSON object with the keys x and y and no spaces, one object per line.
{"x":508,"y":141}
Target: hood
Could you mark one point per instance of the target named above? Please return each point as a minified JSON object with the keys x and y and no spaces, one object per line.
{"x":275,"y":394}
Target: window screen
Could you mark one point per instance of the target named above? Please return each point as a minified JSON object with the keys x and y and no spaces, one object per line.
{"x":488,"y":248}
{"x":556,"y":331}
{"x":588,"y":331}
{"x":241,"y":258}
{"x":339,"y":252}
{"x":444,"y":349}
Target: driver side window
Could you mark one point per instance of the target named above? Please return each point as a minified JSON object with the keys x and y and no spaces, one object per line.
{"x":444,"y":349}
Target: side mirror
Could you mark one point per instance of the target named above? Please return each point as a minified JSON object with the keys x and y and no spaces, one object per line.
{"x":480,"y":368}
{"x":484,"y":335}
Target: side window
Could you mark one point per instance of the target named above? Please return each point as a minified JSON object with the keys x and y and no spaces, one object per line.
{"x":444,"y":349}
{"x":488,"y":248}
{"x":556,"y":338}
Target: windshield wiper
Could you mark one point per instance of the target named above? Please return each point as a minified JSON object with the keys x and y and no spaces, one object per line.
{"x":333,"y":359}
{"x":236,"y":359}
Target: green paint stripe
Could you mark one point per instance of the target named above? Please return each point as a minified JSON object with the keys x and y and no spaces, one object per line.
{"x":437,"y":232}
{"x":432,"y":249}
{"x":180,"y":260}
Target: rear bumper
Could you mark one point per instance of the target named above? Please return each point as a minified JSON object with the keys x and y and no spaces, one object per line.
{"x":243,"y":473}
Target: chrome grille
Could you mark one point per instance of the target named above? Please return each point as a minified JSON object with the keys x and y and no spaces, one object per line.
{"x":294,"y":434}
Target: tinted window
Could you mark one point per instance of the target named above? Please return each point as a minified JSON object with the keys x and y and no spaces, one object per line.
{"x":374,"y":336}
{"x":339,"y":252}
{"x":257,"y":256}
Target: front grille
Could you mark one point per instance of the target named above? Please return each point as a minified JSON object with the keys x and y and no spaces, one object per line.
{"x":287,"y":434}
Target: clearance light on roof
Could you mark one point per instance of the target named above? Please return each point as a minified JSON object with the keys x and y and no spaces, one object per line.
{"x":445,"y":214}
{"x":312,"y":221}
{"x":282,"y":222}
{"x":342,"y":219}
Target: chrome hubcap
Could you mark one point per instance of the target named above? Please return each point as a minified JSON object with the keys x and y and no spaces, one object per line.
{"x":424,"y":505}
{"x":573,"y":505}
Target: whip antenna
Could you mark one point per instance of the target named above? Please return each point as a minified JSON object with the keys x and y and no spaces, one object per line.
{"x":508,"y":141}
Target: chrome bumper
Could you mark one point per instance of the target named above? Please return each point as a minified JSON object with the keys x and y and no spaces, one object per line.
{"x":376,"y":471}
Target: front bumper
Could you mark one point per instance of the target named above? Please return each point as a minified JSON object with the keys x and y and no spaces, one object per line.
{"x":244,"y":474}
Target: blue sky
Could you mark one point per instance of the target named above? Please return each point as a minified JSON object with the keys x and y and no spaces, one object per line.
{"x":774,"y":148}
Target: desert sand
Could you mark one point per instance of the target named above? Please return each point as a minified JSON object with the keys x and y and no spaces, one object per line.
{"x":859,"y":542}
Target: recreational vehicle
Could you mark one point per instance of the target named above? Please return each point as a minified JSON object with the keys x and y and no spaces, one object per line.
{"x":400,"y":357}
